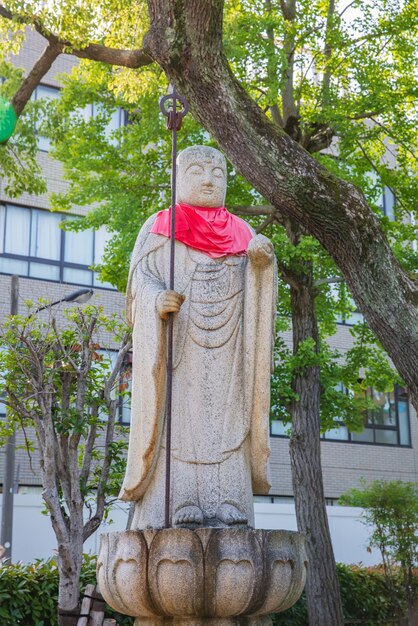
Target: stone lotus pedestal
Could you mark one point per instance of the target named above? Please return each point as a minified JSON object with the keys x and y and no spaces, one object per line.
{"x":198,"y":577}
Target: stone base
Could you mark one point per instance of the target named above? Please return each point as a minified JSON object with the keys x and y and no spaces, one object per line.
{"x":210,"y":621}
{"x":202,"y":577}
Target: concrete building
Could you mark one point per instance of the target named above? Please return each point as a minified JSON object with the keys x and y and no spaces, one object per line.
{"x":51,"y":263}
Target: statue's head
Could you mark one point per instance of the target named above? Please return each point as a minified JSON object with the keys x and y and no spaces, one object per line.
{"x":201,"y":177}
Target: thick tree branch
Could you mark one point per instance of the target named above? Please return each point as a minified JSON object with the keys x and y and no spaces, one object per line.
{"x":298,"y":186}
{"x":114,"y":56}
{"x":328,"y":281}
{"x":93,"y":51}
{"x":32,"y":80}
{"x":272,"y":73}
{"x":8,"y":15}
{"x":326,"y":80}
{"x":290,"y":114}
{"x":317,"y":137}
{"x":253,"y":211}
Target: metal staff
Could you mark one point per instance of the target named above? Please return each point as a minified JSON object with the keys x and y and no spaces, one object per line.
{"x":174,"y":120}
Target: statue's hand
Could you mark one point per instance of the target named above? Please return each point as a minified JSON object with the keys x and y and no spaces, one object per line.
{"x":260,"y":251}
{"x":169,"y":302}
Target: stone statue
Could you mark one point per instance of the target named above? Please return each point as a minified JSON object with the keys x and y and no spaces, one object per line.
{"x":212,"y":567}
{"x":224,"y":307}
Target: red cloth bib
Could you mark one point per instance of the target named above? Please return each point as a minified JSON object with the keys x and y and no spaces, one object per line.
{"x":216,"y":232}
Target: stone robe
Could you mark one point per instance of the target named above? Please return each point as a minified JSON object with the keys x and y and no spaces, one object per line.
{"x":223,"y":339}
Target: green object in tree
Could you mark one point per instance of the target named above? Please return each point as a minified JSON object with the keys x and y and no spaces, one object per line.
{"x":8,"y":120}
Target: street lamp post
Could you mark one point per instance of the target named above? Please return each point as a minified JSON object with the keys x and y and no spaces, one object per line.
{"x":9,"y":488}
{"x":9,"y":470}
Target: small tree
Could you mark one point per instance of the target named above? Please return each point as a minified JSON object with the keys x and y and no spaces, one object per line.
{"x":391,"y":508}
{"x":58,"y":381}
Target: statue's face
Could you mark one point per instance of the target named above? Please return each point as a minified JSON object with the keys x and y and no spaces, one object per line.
{"x":201,"y":177}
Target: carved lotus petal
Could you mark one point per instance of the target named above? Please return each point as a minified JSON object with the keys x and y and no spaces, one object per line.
{"x":176,"y":572}
{"x":208,"y":573}
{"x":234,"y":566}
{"x":285,"y":570}
{"x":122,"y":573}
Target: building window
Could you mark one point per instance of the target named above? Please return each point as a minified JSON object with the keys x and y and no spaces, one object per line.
{"x":387,"y":423}
{"x":388,"y":203}
{"x":355,"y":317}
{"x":43,"y":92}
{"x":33,"y":244}
{"x":117,"y":119}
{"x":123,"y":385}
{"x":270,"y":499}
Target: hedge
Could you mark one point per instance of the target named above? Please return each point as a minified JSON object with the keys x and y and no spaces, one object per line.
{"x":365,"y":597}
{"x":29,"y":593}
{"x":28,"y":596}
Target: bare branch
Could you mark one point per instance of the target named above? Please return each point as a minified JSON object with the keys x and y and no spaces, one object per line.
{"x":350,"y":4}
{"x":390,"y":132}
{"x":287,"y":275}
{"x":126,"y":345}
{"x":269,"y":220}
{"x":375,"y":169}
{"x":62,"y":463}
{"x":81,"y":390}
{"x":94,"y":522}
{"x":88,"y":448}
{"x":326,"y":80}
{"x":364,"y":115}
{"x":366,"y":156}
{"x":61,"y":345}
{"x":27,"y":445}
{"x":112,"y":404}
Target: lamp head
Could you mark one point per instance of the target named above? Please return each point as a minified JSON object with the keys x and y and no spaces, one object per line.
{"x":81,"y":296}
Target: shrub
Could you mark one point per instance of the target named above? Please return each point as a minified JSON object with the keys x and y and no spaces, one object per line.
{"x":365,"y":596}
{"x":29,"y":593}
{"x":391,"y":512}
{"x":28,"y":596}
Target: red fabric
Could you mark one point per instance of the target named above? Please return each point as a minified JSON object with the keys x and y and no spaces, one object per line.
{"x":216,"y":232}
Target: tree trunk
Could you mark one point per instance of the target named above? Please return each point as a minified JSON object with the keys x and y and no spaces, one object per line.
{"x":413,"y":613}
{"x":322,"y":587}
{"x":185,"y":39}
{"x":69,"y":567}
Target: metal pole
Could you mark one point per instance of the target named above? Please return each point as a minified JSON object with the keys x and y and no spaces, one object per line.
{"x":173,"y":124}
{"x":170,"y":324}
{"x":9,"y":479}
